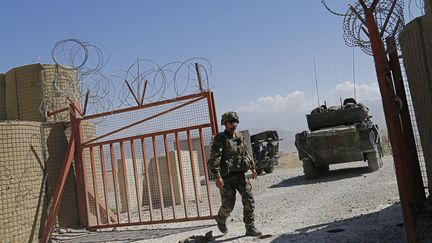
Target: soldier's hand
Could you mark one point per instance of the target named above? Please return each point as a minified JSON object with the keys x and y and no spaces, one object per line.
{"x":254,"y":174}
{"x":219,"y":183}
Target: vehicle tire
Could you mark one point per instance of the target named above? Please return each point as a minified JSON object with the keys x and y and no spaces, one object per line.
{"x":309,"y":169}
{"x":374,"y":161}
{"x":259,"y":171}
{"x":269,"y":169}
{"x":324,"y":169}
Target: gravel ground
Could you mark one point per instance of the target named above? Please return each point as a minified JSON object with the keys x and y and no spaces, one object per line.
{"x":348,"y":205}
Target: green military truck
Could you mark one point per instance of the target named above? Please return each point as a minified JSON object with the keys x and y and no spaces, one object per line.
{"x":265,"y":147}
{"x":338,"y":134}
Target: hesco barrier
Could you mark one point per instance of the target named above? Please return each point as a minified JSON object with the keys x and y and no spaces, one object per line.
{"x":31,"y":156}
{"x":56,"y":135}
{"x":416,"y":45}
{"x":21,"y":181}
{"x":28,"y":86}
{"x":2,"y":97}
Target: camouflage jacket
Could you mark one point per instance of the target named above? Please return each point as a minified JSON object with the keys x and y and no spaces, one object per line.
{"x":229,"y":154}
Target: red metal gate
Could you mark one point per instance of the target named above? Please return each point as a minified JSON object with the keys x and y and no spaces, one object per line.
{"x":146,"y":164}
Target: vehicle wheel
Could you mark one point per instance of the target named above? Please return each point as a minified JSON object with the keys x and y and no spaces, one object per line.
{"x":269,"y":169}
{"x":324,"y":170}
{"x":309,"y":169}
{"x":260,"y":171}
{"x":374,"y":162}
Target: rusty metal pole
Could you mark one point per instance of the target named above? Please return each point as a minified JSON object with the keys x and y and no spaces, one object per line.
{"x":393,"y":122}
{"x":80,"y":175}
{"x":58,"y":193}
{"x":418,"y":194}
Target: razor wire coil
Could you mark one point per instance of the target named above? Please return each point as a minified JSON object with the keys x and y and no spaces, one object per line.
{"x":111,"y":91}
{"x":389,"y":17}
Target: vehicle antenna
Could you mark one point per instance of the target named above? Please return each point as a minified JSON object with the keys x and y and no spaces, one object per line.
{"x":316,"y":81}
{"x":337,"y":79}
{"x":354,"y":77}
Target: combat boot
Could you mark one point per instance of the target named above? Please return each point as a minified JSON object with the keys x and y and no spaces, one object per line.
{"x":222,"y":228}
{"x":252,"y":231}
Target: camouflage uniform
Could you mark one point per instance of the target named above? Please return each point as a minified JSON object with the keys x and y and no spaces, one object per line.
{"x":229,"y":159}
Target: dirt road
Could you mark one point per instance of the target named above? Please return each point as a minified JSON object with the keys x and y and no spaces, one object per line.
{"x":348,"y":205}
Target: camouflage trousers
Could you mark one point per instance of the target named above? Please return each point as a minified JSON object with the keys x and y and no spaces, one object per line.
{"x":232,"y":183}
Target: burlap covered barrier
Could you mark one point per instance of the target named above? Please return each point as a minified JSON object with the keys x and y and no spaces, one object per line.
{"x":31,"y":157}
{"x":22,"y":181}
{"x":2,"y":97}
{"x":416,"y":45}
{"x":28,"y":86}
{"x":56,"y":137}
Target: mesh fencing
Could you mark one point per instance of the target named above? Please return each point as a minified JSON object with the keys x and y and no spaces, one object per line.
{"x":35,"y":89}
{"x":416,"y":49}
{"x":2,"y":97}
{"x":150,"y":170}
{"x":415,"y":128}
{"x":22,"y":181}
{"x":31,"y":157}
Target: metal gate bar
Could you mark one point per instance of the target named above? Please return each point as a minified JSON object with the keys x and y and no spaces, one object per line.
{"x":181,"y":173}
{"x":205,"y":169}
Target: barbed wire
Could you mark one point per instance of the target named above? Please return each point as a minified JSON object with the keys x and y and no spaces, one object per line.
{"x":142,"y":82}
{"x":389,"y":16}
{"x":324,"y":3}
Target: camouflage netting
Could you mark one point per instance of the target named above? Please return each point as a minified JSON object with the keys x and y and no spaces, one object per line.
{"x":34,"y":89}
{"x":416,"y":45}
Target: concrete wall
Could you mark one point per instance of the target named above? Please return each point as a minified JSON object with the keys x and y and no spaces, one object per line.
{"x":130,"y":180}
{"x":175,"y":178}
{"x":416,"y":45}
{"x":196,"y":147}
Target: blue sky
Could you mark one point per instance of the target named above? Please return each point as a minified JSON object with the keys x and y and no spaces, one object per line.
{"x":261,"y":51}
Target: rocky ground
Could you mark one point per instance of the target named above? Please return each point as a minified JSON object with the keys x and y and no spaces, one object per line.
{"x":348,"y":205}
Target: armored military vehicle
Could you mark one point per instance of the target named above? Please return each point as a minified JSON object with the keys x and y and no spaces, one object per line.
{"x":338,"y":134}
{"x":265,"y":147}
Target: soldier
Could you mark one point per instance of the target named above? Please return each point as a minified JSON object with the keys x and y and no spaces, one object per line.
{"x":229,"y":161}
{"x":271,"y":148}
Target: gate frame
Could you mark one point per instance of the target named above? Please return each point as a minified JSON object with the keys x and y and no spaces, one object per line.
{"x":75,"y":152}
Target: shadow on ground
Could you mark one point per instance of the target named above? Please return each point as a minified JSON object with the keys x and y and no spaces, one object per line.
{"x":332,"y":175}
{"x":381,"y":226}
{"x":132,"y":235}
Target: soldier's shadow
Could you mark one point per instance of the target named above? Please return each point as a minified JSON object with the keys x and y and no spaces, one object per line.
{"x":332,"y":175}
